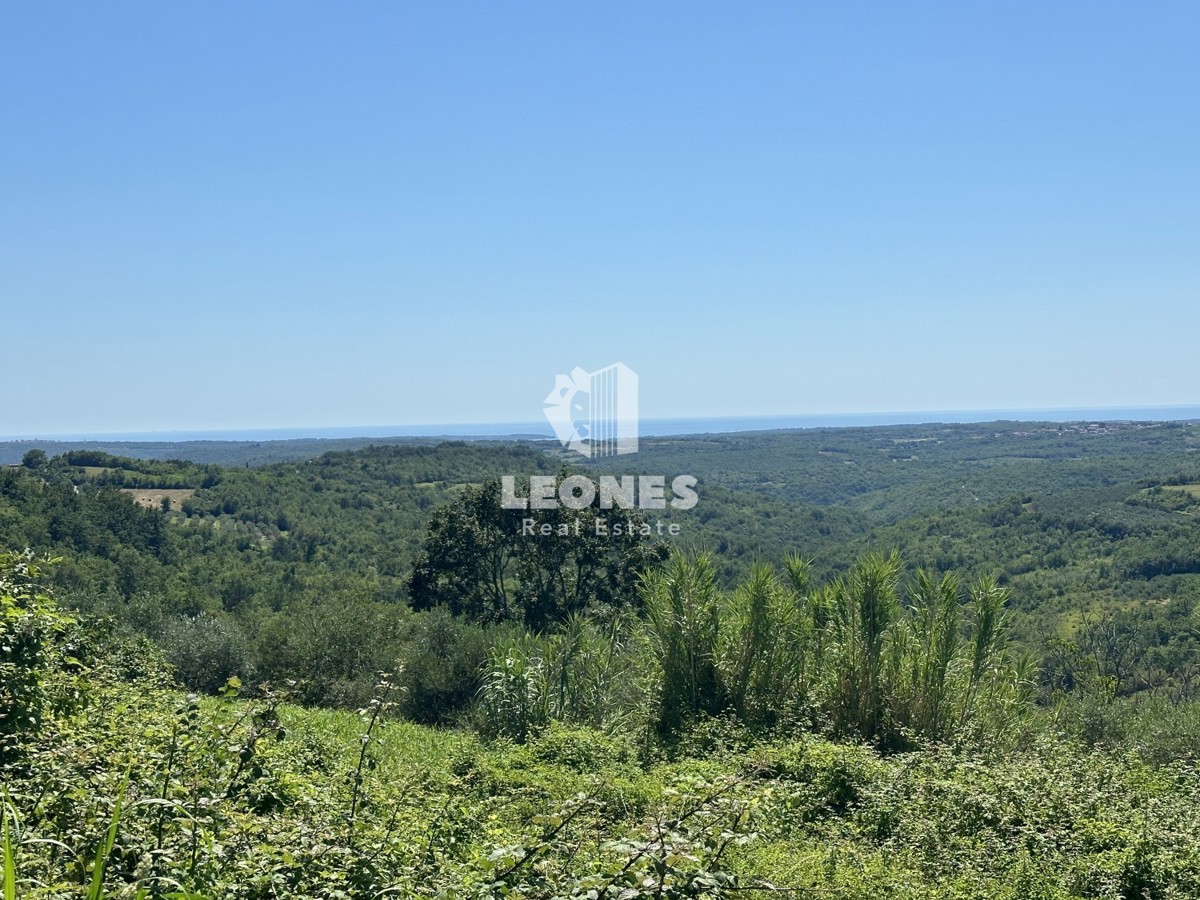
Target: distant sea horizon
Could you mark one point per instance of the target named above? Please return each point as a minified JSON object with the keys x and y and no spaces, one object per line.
{"x":648,"y":427}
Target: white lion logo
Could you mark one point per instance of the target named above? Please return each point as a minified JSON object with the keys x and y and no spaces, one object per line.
{"x":606,"y":424}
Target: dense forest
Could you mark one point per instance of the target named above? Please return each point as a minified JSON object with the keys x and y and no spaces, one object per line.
{"x":945,"y":660}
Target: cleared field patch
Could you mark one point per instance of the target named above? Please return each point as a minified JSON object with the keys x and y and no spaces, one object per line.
{"x":1192,"y":490}
{"x":1180,"y":498}
{"x":152,"y":498}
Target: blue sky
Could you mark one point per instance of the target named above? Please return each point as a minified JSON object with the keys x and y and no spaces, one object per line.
{"x":219,"y":215}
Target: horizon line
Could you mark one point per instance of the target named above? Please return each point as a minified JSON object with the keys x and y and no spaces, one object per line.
{"x":428,"y":429}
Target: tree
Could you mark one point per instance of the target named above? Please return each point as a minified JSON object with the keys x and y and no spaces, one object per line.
{"x":34,"y":459}
{"x":489,"y":564}
{"x":1116,"y":645}
{"x":467,"y":560}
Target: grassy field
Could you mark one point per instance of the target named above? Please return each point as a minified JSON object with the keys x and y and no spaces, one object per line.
{"x":1192,"y":490}
{"x":152,"y":498}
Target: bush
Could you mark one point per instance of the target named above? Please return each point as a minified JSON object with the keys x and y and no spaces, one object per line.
{"x":514,"y":699}
{"x":206,"y":651}
{"x":835,"y":777}
{"x":583,"y":750}
{"x":442,"y":663}
{"x":31,"y":638}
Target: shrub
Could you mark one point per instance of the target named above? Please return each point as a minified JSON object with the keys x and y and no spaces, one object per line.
{"x":31,"y":632}
{"x":206,"y":651}
{"x":514,"y":698}
{"x":442,"y":660}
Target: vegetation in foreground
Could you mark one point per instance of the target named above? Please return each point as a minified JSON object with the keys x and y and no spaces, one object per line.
{"x":116,"y":784}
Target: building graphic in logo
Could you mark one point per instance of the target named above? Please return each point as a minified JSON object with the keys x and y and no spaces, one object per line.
{"x":596,"y":413}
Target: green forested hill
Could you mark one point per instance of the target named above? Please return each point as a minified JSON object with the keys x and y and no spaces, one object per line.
{"x":228,"y":453}
{"x":893,"y":471}
{"x":1090,"y":527}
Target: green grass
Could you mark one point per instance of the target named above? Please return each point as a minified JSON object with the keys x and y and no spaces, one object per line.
{"x":403,"y":747}
{"x":100,"y":865}
{"x":10,"y":864}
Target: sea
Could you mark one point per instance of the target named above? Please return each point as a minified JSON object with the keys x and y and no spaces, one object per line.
{"x":649,"y":427}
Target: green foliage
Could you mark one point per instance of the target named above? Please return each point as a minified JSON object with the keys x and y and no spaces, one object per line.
{"x":586,"y":673}
{"x":206,"y":651}
{"x":848,"y":656}
{"x":864,"y":608}
{"x":442,"y":657}
{"x":140,"y":792}
{"x":100,"y":864}
{"x":684,"y":754}
{"x":1052,"y":510}
{"x":9,"y":855}
{"x":515,"y":697}
{"x":34,"y":459}
{"x":480,"y":560}
{"x":683,"y":610}
{"x":32,"y":646}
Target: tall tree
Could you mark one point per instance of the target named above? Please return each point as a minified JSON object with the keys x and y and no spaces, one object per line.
{"x":489,"y":564}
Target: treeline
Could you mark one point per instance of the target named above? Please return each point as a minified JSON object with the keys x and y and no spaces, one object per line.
{"x":870,"y":656}
{"x":256,"y":568}
{"x":122,"y":471}
{"x":51,"y":513}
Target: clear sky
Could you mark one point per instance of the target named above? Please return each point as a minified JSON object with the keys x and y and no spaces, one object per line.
{"x":240,"y":215}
